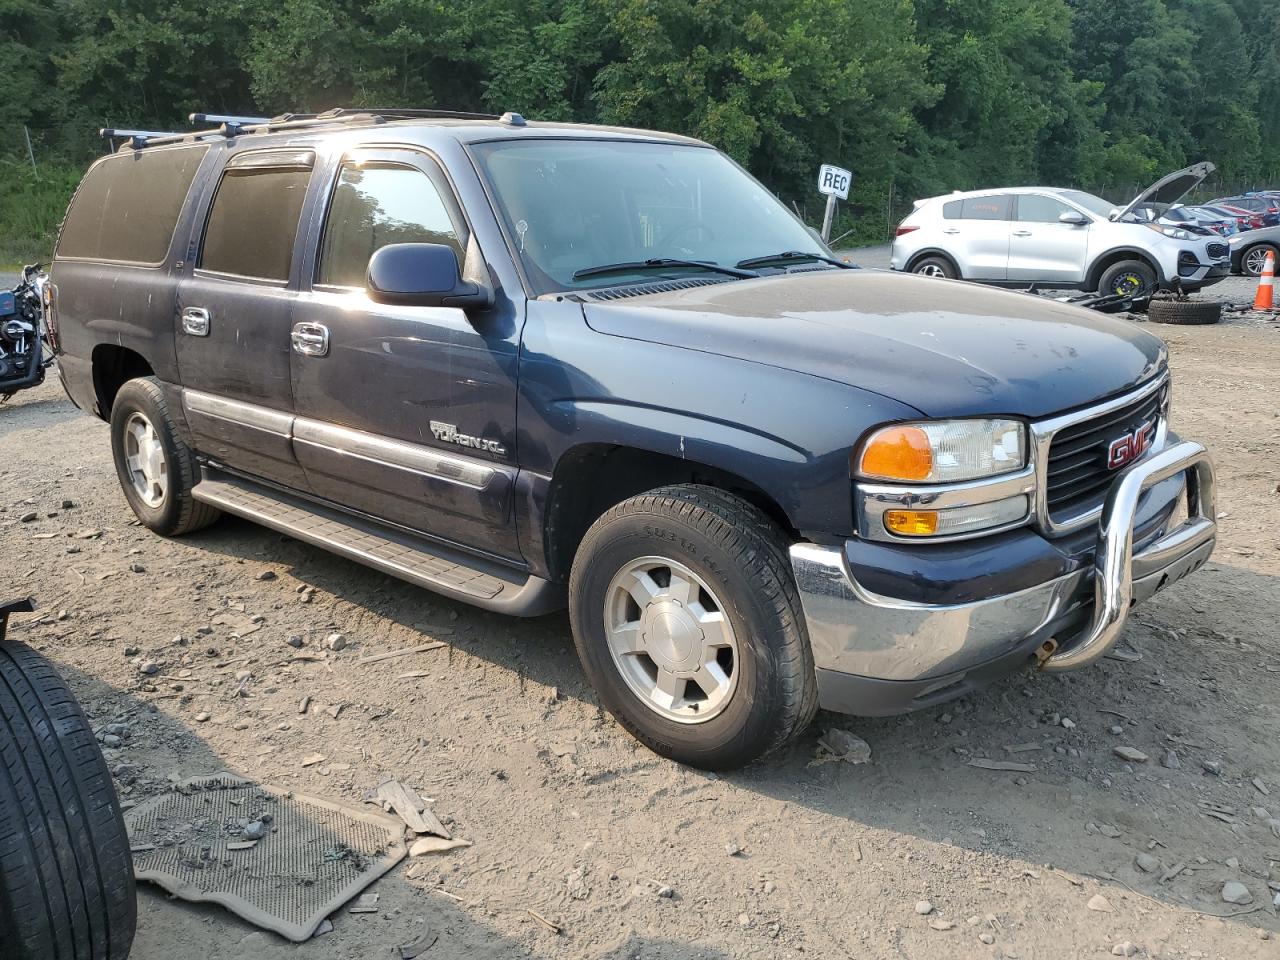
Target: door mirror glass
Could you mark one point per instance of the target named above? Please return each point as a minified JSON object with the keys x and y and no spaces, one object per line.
{"x":422,"y":275}
{"x":1073,"y":217}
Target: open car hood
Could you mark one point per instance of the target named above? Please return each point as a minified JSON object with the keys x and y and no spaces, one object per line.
{"x":1170,"y":188}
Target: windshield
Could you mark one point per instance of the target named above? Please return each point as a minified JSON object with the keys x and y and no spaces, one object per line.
{"x":569,"y":205}
{"x":1091,"y":203}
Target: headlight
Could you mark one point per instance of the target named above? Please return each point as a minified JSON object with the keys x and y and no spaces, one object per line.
{"x":1177,"y":233}
{"x":944,"y":451}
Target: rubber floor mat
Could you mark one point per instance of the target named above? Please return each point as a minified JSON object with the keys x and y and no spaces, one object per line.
{"x":313,"y":857}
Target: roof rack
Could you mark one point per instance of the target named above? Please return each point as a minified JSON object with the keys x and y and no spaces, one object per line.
{"x":230,"y":125}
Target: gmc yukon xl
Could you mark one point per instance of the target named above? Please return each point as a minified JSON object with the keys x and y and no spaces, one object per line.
{"x":530,"y":365}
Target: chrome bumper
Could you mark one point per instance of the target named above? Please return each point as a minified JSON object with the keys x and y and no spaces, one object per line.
{"x":857,"y":632}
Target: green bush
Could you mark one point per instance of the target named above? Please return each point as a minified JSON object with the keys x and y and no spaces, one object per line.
{"x":31,"y":208}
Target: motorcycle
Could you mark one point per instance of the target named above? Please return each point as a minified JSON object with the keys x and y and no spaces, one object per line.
{"x":25,"y":352}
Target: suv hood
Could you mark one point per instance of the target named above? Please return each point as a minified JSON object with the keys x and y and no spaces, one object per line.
{"x":1169,"y":189}
{"x":947,"y":348}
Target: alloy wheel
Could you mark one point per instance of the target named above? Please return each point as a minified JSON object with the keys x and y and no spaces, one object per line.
{"x":671,"y":639}
{"x":145,"y":459}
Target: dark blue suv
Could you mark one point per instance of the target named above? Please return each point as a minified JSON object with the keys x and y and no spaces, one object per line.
{"x":530,"y":365}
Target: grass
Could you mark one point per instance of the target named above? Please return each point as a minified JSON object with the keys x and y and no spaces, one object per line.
{"x":31,"y":208}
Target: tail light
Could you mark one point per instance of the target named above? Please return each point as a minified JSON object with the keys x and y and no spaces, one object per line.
{"x":903,"y":229}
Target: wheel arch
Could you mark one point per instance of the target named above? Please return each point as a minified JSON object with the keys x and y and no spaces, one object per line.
{"x":114,"y":366}
{"x":1117,"y":255}
{"x":932,"y":252}
{"x":590,"y":478}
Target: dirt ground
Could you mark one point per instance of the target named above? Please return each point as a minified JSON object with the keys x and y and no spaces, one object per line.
{"x":573,"y":820}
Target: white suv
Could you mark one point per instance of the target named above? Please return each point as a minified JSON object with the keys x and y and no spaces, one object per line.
{"x":1063,"y":238}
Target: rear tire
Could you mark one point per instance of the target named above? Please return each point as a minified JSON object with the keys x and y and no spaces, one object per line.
{"x":156,"y":469}
{"x":1253,"y":259}
{"x":1128,"y":278}
{"x":732,"y":564}
{"x":66,"y":871}
{"x":1185,"y":312}
{"x":936,"y":266}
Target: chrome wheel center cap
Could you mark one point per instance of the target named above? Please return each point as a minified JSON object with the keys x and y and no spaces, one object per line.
{"x":672,"y":636}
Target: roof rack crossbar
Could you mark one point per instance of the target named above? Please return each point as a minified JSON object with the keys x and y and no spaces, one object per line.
{"x":224,"y":118}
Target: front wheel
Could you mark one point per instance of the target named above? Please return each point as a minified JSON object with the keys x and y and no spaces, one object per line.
{"x":1128,"y":278}
{"x":688,"y":624}
{"x":1254,"y":259}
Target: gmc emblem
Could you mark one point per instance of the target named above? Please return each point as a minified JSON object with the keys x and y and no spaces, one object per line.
{"x":1131,"y":446}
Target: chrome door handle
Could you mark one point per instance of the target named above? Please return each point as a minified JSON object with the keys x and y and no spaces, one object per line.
{"x":310,"y":339}
{"x":195,"y":321}
{"x":951,"y":230}
{"x":1022,"y":233}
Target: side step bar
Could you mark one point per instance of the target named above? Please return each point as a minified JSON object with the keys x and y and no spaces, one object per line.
{"x":420,"y":561}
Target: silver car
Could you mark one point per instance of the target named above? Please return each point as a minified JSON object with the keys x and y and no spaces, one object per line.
{"x":1056,"y":237}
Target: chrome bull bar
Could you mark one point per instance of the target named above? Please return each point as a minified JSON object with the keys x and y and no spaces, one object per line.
{"x":1119,"y":577}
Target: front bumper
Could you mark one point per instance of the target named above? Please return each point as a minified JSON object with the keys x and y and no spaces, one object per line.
{"x":877,"y":655}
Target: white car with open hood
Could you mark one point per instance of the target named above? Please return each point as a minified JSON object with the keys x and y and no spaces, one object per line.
{"x":1059,"y":237}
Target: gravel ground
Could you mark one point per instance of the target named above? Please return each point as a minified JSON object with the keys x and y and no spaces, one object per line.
{"x":633,"y":856}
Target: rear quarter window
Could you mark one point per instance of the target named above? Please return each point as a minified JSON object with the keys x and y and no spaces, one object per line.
{"x":127,"y":205}
{"x":951,"y":210}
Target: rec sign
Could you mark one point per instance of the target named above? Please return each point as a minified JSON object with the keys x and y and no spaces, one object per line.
{"x":834,"y":181}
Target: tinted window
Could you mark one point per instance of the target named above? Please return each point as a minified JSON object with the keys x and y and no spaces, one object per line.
{"x":986,"y":208}
{"x":127,"y":206}
{"x":951,"y":210}
{"x":376,"y":205}
{"x":1033,"y":208}
{"x":254,"y":221}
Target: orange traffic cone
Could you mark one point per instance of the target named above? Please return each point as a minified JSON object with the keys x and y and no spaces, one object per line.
{"x":1265,"y":299}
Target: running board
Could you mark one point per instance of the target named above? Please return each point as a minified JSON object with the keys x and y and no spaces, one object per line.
{"x":420,"y":561}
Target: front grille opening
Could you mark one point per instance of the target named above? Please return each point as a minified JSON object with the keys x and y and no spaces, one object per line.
{"x":1078,"y":474}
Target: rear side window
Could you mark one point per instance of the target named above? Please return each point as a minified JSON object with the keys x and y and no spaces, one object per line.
{"x":986,"y":208}
{"x":374,"y":205}
{"x":951,"y":210}
{"x":254,"y":219}
{"x":128,"y":205}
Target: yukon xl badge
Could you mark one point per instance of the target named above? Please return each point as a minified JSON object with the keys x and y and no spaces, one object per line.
{"x":448,"y":433}
{"x":1125,"y":450}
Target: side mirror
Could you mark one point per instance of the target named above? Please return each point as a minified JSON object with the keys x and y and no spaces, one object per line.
{"x":1073,"y":217}
{"x":422,"y":275}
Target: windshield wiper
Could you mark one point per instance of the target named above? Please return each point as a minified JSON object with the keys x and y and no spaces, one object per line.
{"x":627,"y":266}
{"x":794,"y":255}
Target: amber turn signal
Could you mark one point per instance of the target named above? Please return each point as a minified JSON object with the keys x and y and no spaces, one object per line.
{"x":911,"y":523}
{"x":898,"y":453}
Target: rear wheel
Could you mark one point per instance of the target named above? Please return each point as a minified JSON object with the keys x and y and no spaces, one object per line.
{"x":1254,"y":259}
{"x":1128,"y":278}
{"x":156,"y":469}
{"x":935,"y":266}
{"x":688,"y":624}
{"x":66,"y":872}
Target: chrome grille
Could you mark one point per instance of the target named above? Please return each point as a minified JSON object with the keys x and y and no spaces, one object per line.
{"x":1218,"y":251}
{"x":1077,"y":476}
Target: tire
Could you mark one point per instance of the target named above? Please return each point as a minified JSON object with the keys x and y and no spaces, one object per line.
{"x":1185,"y":312}
{"x":740,"y":557}
{"x":141,"y":402}
{"x":936,"y":266}
{"x":1131,"y":278}
{"x":1253,"y":258}
{"x":66,"y":871}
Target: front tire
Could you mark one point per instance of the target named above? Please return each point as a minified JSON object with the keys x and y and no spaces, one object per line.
{"x":1128,"y":278}
{"x":1253,"y":259}
{"x":66,"y":872}
{"x":156,"y":469}
{"x":687,"y":621}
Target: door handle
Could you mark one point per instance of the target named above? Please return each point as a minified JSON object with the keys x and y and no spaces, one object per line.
{"x":1022,"y":233}
{"x":195,"y":321}
{"x":951,"y":230}
{"x":310,"y":339}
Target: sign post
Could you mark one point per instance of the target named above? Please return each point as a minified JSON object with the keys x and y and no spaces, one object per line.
{"x":834,"y":182}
